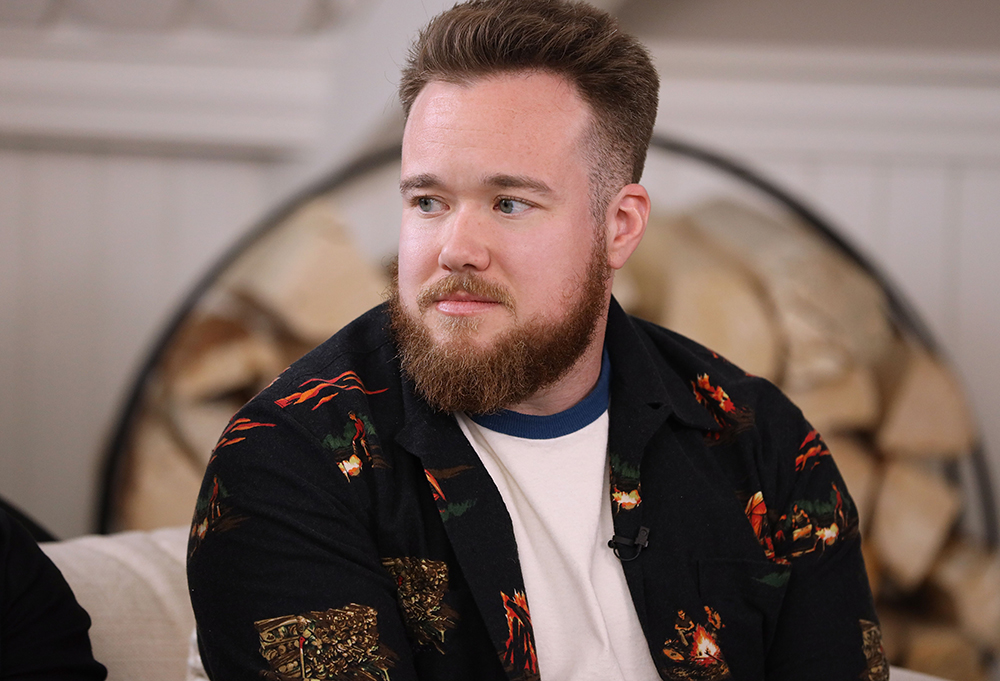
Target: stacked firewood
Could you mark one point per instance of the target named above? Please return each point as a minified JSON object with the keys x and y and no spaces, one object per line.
{"x":290,"y":291}
{"x":759,"y":289}
{"x":782,"y":303}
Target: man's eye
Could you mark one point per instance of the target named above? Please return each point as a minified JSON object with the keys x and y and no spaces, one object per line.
{"x":509,"y":206}
{"x":426,"y":204}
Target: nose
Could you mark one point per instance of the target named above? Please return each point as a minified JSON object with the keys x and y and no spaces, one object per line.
{"x":464,"y":246}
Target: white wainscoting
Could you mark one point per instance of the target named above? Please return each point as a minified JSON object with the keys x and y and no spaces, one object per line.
{"x":96,"y":250}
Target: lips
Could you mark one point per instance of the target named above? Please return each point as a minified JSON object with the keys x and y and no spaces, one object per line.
{"x":463,"y":306}
{"x":464,"y":294}
{"x":464,"y":297}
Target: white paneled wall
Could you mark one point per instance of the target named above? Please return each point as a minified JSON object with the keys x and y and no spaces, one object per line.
{"x":96,"y":252}
{"x":976,"y":295}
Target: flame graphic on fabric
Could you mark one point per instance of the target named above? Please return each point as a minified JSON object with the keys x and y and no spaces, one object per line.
{"x":716,"y":393}
{"x":732,"y":420}
{"x":826,"y":525}
{"x":828,"y":534}
{"x":812,"y":453}
{"x":756,"y":511}
{"x":695,"y":653}
{"x":435,"y":487}
{"x":350,"y":467}
{"x":345,"y":381}
{"x":705,"y":650}
{"x":626,"y":500}
{"x":520,"y":639}
{"x":239,"y":425}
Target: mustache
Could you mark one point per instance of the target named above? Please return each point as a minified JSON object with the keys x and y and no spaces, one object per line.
{"x":470,"y":283}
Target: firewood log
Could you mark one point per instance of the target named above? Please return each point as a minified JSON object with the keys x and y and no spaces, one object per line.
{"x":860,"y":470}
{"x":895,"y":625}
{"x":964,"y":586}
{"x":719,"y":303}
{"x":832,"y":312}
{"x":215,"y":355}
{"x":872,"y":567}
{"x":913,"y":515}
{"x":926,"y":413}
{"x":848,"y":403}
{"x":942,"y":650}
{"x":311,"y":276}
{"x":197,"y":425}
{"x":161,"y":481}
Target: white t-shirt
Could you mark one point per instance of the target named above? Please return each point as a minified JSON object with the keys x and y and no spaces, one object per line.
{"x":556,"y":490}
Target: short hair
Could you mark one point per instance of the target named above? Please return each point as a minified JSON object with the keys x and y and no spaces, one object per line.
{"x":611,"y":70}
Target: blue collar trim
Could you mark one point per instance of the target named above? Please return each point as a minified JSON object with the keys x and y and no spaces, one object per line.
{"x":532,"y":427}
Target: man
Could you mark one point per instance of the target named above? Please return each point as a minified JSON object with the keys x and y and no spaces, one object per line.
{"x":498,"y":474}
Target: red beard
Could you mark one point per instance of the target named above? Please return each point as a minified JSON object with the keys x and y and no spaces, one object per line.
{"x":458,"y":375}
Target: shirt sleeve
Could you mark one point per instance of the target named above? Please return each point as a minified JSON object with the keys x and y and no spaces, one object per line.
{"x":827,"y":628}
{"x":285,"y":576}
{"x":43,"y":630}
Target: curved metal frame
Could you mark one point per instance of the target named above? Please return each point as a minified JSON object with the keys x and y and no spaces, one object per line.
{"x":901,"y":312}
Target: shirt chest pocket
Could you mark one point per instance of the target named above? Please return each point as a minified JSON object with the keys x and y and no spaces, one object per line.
{"x":742,"y":602}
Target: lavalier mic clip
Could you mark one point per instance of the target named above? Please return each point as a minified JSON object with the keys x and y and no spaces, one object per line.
{"x":640,"y":542}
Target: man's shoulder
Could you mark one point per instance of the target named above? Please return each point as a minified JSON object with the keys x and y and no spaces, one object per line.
{"x":366,"y":342}
{"x":366,"y":335}
{"x":340,"y":374}
{"x":689,"y":359}
{"x":698,"y":379}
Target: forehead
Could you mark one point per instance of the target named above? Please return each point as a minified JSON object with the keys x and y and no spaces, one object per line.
{"x":516,"y":117}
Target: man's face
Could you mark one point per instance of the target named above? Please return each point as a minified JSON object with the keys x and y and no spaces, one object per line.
{"x":496,"y":191}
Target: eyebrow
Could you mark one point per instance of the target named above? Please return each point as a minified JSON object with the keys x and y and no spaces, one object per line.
{"x":502,"y":181}
{"x":422,"y":181}
{"x":498,"y":180}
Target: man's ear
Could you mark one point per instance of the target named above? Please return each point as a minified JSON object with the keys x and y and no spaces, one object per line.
{"x":627,"y":215}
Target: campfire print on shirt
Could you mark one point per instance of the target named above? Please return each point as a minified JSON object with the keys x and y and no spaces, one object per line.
{"x":695,"y":653}
{"x":449,"y":508}
{"x":353,"y":448}
{"x":212,"y":514}
{"x":625,"y":488}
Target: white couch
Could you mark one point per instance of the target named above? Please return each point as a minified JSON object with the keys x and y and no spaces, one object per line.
{"x":133,"y":585}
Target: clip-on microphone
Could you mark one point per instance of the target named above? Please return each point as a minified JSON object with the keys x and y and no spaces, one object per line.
{"x":640,"y":542}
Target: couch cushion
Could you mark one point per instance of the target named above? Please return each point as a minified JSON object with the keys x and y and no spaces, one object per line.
{"x":134,"y":586}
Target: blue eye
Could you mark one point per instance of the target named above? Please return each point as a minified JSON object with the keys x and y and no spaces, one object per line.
{"x":509,"y":206}
{"x":426,"y":204}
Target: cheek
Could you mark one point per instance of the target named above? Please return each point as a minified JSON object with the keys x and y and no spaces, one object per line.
{"x":417,"y":262}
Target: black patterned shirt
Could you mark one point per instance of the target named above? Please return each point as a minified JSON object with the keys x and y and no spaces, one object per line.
{"x":345,"y":530}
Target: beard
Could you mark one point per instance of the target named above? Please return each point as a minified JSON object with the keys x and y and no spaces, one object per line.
{"x":458,"y":375}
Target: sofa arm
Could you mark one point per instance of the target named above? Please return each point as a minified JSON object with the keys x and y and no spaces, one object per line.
{"x":134,"y":586}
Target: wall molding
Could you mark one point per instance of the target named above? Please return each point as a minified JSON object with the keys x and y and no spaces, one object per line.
{"x":831,"y":102}
{"x":261,"y":96}
{"x":273,"y":97}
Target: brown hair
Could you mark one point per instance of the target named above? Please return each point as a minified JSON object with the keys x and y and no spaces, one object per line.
{"x":611,"y":70}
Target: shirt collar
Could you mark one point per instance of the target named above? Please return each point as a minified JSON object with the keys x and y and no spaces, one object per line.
{"x":534,"y":427}
{"x":647,"y":369}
